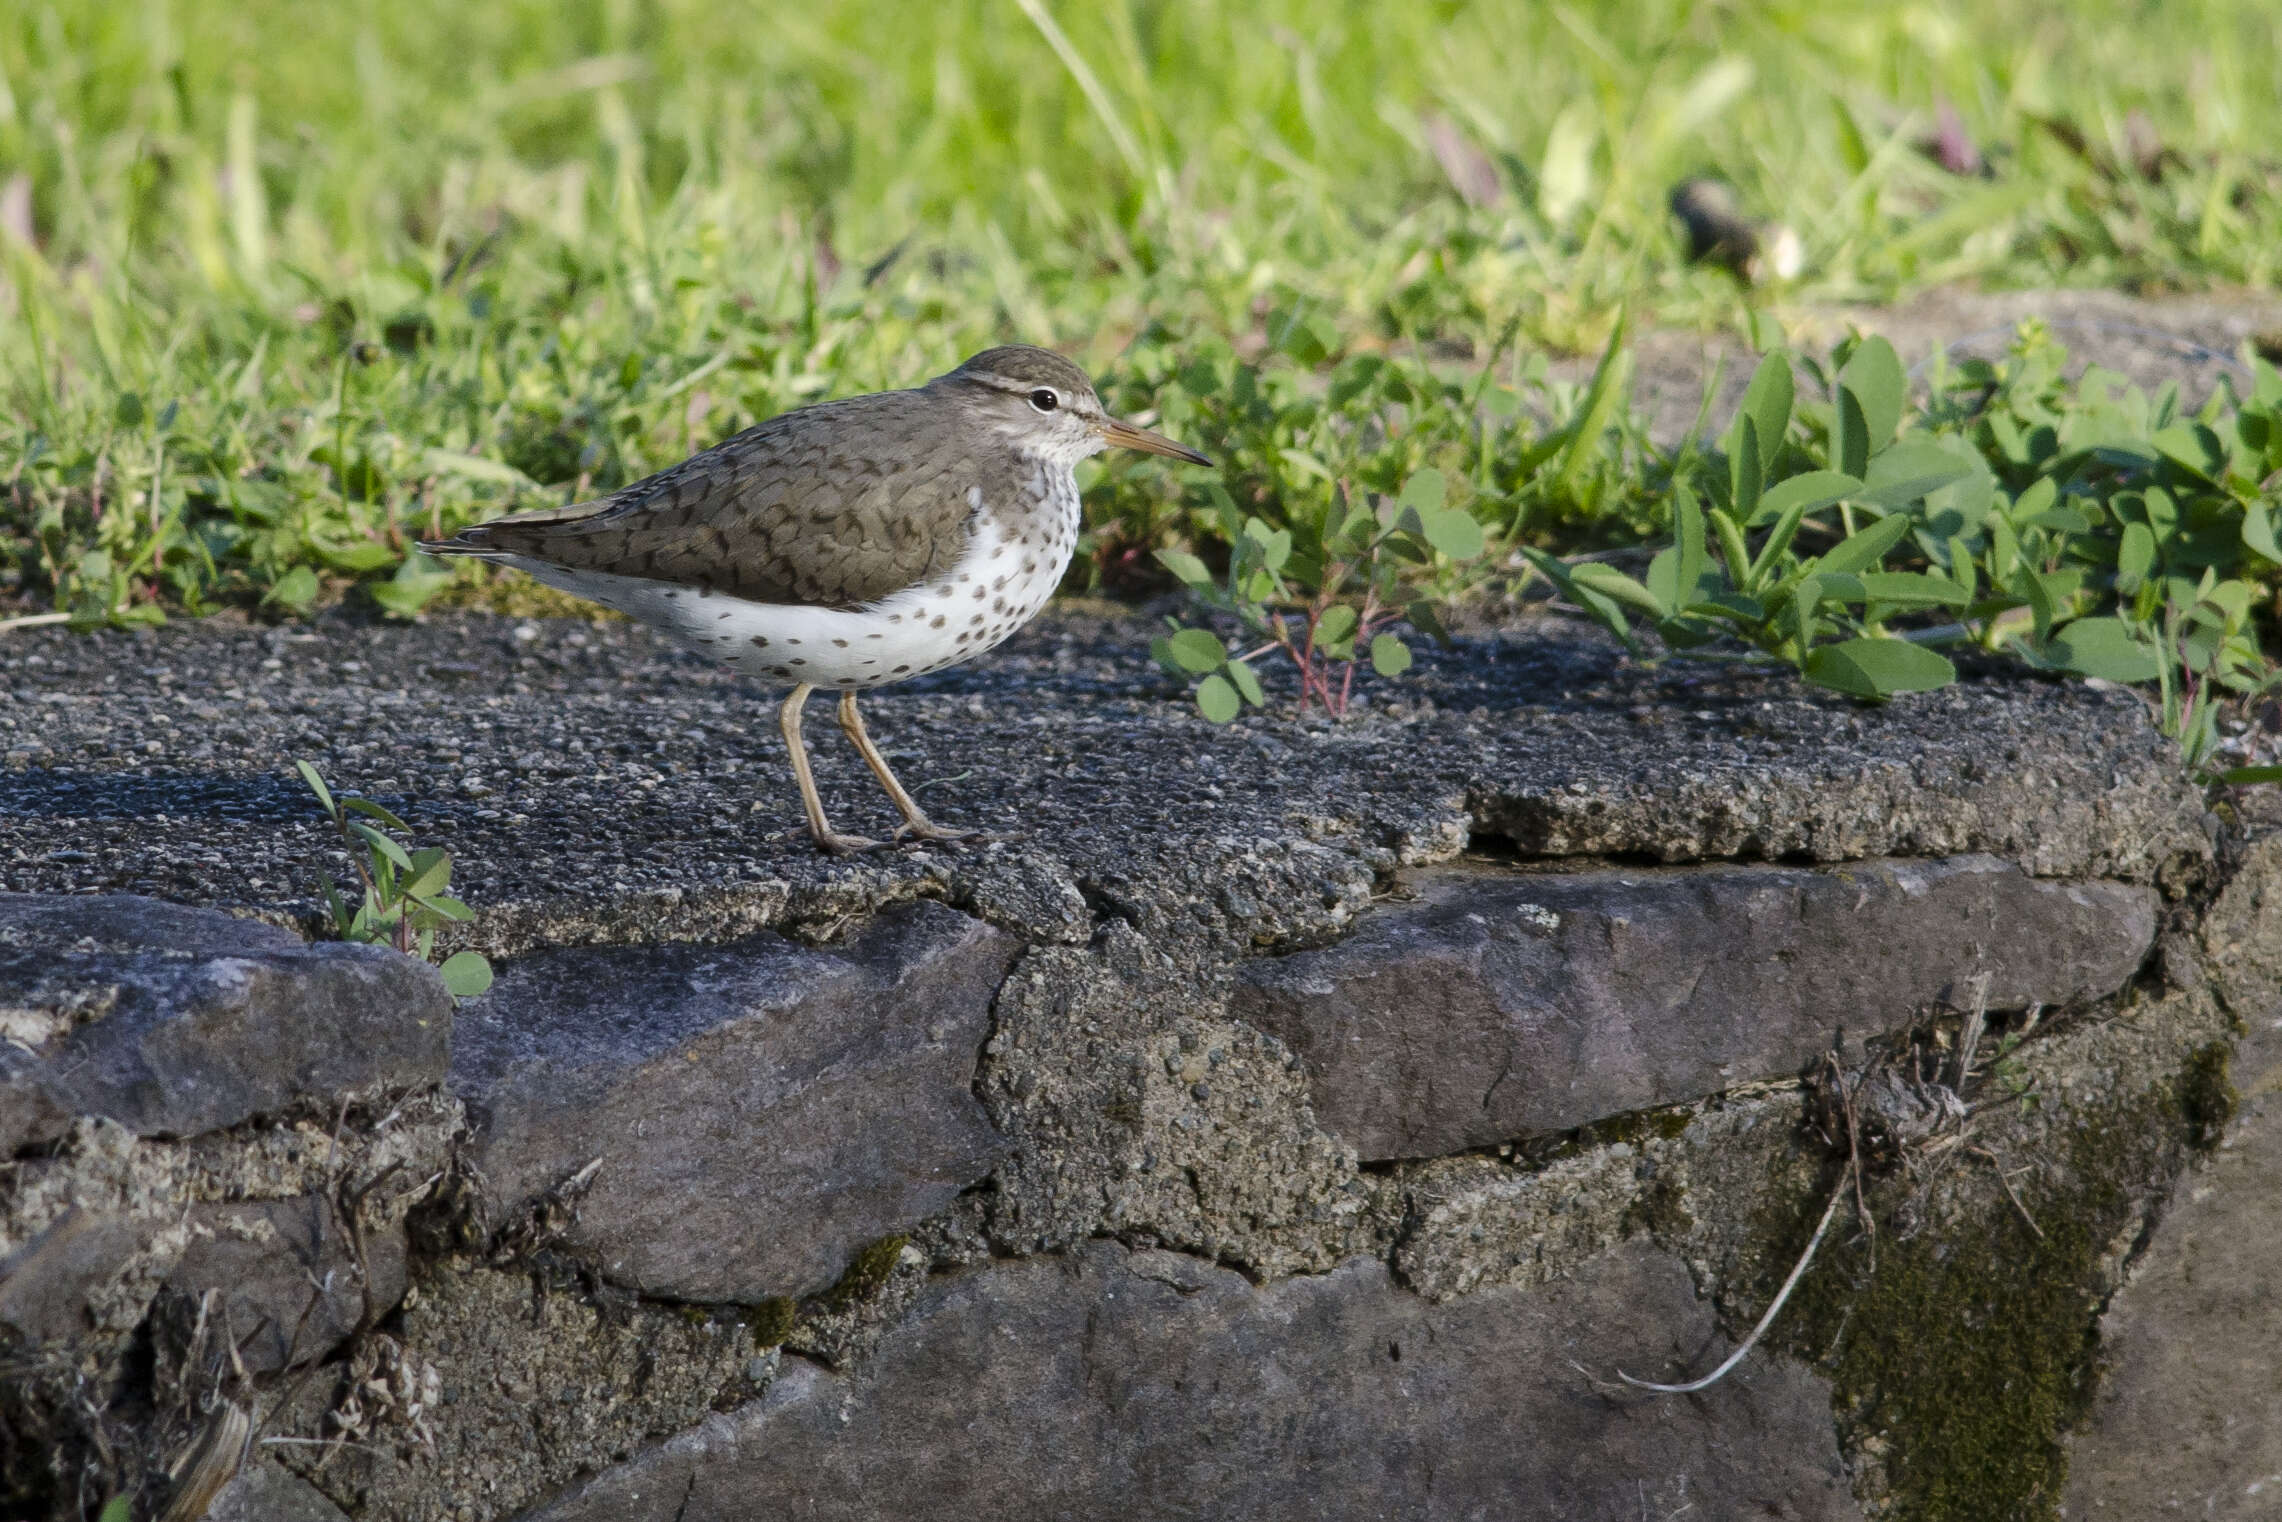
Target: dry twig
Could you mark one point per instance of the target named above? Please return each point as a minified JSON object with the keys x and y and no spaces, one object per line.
{"x":1798,"y":1271}
{"x":2010,"y":1194}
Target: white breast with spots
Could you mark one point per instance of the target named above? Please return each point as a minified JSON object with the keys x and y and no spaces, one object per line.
{"x":995,"y":588}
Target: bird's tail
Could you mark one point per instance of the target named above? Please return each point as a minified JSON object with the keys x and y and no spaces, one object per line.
{"x":481,"y":543}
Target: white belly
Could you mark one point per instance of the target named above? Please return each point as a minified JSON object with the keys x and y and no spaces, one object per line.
{"x":995,"y":588}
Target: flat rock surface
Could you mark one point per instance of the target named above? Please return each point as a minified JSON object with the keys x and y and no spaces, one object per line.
{"x":754,"y":1112}
{"x":1149,"y":1384}
{"x":1495,"y":1004}
{"x":174,"y":1021}
{"x":596,"y":785}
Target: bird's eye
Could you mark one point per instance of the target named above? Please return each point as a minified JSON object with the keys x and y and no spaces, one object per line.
{"x":1044,"y":400}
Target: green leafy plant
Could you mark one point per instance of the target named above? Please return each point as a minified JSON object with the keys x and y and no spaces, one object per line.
{"x":1357,"y":491}
{"x":1826,"y":613}
{"x":2090,"y":530}
{"x":2123,"y":538}
{"x":226,"y":382}
{"x":1529,"y":456}
{"x":403,"y":901}
{"x":1324,"y":592}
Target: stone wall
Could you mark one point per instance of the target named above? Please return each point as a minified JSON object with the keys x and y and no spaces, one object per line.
{"x":1285,"y":1121}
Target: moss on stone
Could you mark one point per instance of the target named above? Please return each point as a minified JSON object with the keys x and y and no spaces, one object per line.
{"x":1634,"y":1127}
{"x":1960,"y":1358}
{"x":773,"y":1320}
{"x":2207,"y":1095}
{"x":1661,"y":1211}
{"x":867,"y":1273}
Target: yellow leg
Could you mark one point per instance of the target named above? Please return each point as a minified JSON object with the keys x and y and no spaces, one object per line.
{"x":917,"y":826}
{"x":829,"y":839}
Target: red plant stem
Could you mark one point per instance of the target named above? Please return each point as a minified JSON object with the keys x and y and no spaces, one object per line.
{"x":1307,"y":663}
{"x":1362,"y":632}
{"x":1309,"y":672}
{"x":1306,"y":679}
{"x":1284,"y":643}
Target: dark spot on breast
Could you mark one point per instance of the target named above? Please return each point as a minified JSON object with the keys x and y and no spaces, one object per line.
{"x":760,"y":642}
{"x":900,"y":670}
{"x":781,"y":670}
{"x":799,"y":661}
{"x":843,"y":644}
{"x":937,"y":623}
{"x":875,"y":636}
{"x":792,"y":642}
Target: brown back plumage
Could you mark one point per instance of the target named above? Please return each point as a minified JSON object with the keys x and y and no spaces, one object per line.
{"x":838,"y":504}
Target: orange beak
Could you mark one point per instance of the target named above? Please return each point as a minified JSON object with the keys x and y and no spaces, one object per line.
{"x":1126,"y":436}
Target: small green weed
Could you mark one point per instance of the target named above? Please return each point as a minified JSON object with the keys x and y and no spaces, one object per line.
{"x":403,"y":902}
{"x":2011,"y":1074}
{"x":1357,"y":491}
{"x":1346,"y":570}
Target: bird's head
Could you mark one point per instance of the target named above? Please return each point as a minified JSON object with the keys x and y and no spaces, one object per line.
{"x":1045,"y":406}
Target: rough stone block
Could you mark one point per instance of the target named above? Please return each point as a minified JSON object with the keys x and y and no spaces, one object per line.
{"x":286,"y":1280}
{"x":175,"y":1021}
{"x":264,"y":1493}
{"x":759,"y":1110}
{"x":2188,"y":1420}
{"x":536,"y":1386}
{"x":1500,"y":1004}
{"x":48,"y":1283}
{"x":2242,"y":933}
{"x":1134,"y":1107}
{"x":1145,"y":1385}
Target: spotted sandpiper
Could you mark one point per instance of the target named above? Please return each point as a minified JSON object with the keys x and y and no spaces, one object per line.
{"x":849,"y":544}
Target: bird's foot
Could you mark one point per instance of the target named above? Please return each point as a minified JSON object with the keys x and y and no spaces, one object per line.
{"x":833,"y":843}
{"x":927,"y":831}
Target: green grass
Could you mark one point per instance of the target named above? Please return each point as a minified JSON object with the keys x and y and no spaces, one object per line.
{"x":300,"y":284}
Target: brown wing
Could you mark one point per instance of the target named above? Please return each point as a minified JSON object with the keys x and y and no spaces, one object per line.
{"x":838,"y":504}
